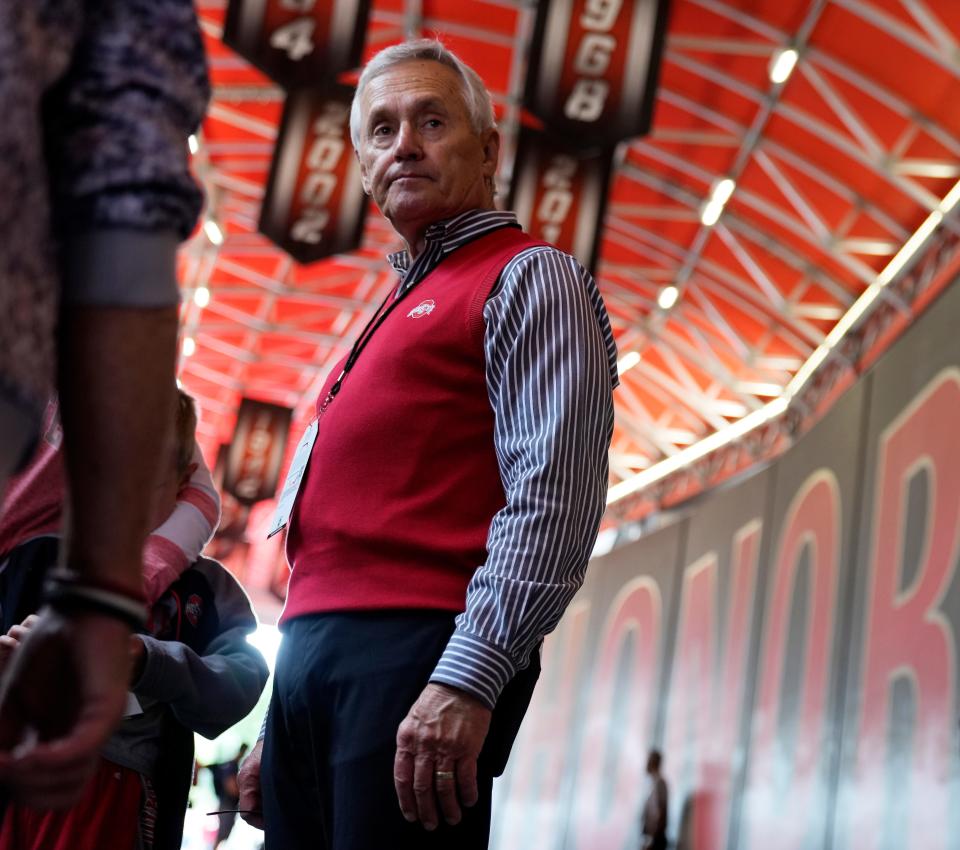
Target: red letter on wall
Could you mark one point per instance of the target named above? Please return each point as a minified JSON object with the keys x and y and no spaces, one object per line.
{"x":706,"y":692}
{"x":604,"y":819}
{"x":906,"y":634}
{"x":782,"y":802}
{"x":531,"y":812}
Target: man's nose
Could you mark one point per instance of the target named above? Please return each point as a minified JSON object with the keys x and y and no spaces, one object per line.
{"x":408,"y":144}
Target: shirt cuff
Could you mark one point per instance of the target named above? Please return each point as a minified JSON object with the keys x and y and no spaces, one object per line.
{"x":263,"y":727}
{"x":121,"y":267}
{"x":476,"y":666}
{"x":151,"y":679}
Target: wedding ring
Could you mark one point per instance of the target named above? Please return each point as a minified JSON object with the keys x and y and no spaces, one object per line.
{"x":446,"y":775}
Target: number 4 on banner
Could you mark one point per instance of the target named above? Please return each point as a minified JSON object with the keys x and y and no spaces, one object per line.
{"x":295,"y":38}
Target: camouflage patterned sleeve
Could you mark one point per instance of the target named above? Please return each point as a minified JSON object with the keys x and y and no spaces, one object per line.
{"x":117,"y":124}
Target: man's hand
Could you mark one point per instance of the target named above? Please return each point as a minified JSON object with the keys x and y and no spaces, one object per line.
{"x":251,"y":802}
{"x":62,"y":696}
{"x":437,"y":748}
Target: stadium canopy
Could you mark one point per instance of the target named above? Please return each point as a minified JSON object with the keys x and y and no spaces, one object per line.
{"x":803,"y":154}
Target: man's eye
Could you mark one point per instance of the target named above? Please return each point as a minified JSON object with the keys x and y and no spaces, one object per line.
{"x":382,"y":130}
{"x":433,"y":123}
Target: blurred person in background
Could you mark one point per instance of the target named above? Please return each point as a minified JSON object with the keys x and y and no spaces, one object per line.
{"x":653,"y":826}
{"x":227,"y":789}
{"x":98,"y":99}
{"x":193,"y":669}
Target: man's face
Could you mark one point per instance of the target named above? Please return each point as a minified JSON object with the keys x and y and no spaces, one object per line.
{"x":420,"y":158}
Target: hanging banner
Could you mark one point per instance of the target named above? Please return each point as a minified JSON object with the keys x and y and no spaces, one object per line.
{"x":298,"y":42}
{"x":314,"y":204}
{"x":256,"y":452}
{"x":594,"y":66}
{"x":560,"y":195}
{"x":233,"y":515}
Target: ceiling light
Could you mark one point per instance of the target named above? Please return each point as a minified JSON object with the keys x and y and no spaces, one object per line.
{"x":782,"y":65}
{"x":722,"y":191}
{"x":201,"y":296}
{"x":213,"y":231}
{"x":668,"y":297}
{"x":193,"y":143}
{"x":873,"y":247}
{"x":711,"y":214}
{"x":927,"y":168}
{"x":719,"y":195}
{"x":628,"y":361}
{"x":189,"y":347}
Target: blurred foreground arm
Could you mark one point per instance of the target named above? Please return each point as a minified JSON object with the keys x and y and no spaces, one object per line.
{"x":122,"y":198}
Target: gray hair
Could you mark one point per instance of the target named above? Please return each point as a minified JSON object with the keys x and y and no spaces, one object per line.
{"x":475,"y":95}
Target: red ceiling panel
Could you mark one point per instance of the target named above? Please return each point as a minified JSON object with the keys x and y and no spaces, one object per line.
{"x":834,"y":171}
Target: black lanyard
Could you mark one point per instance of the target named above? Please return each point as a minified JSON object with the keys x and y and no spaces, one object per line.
{"x":378,"y":318}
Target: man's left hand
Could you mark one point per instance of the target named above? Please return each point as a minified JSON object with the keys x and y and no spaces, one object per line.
{"x":437,"y":748}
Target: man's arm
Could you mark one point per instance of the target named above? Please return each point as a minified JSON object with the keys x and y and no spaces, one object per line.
{"x":209,"y":688}
{"x":178,"y":542}
{"x":551,"y":368}
{"x":123,"y":198}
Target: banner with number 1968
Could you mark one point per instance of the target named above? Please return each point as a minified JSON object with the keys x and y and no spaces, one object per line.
{"x":594,"y":66}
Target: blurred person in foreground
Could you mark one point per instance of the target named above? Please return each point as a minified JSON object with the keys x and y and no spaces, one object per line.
{"x":454,"y":489}
{"x":98,"y":99}
{"x":193,"y":668}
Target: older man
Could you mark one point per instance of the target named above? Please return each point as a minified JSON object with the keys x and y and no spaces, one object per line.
{"x":452,"y":497}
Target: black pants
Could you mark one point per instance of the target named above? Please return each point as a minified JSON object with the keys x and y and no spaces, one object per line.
{"x":343,"y":685}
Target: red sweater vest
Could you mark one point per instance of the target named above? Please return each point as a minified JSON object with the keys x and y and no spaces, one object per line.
{"x":403,"y":480}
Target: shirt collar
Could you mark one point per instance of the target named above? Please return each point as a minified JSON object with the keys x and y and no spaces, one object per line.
{"x":452,"y":232}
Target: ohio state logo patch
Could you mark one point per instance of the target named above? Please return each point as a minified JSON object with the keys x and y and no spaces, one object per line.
{"x":424,"y":308}
{"x":193,"y":609}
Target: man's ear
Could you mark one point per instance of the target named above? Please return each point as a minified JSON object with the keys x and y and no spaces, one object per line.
{"x":364,"y":179}
{"x":490,"y":145}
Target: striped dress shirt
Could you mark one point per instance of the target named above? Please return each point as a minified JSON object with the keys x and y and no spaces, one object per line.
{"x":551,"y":366}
